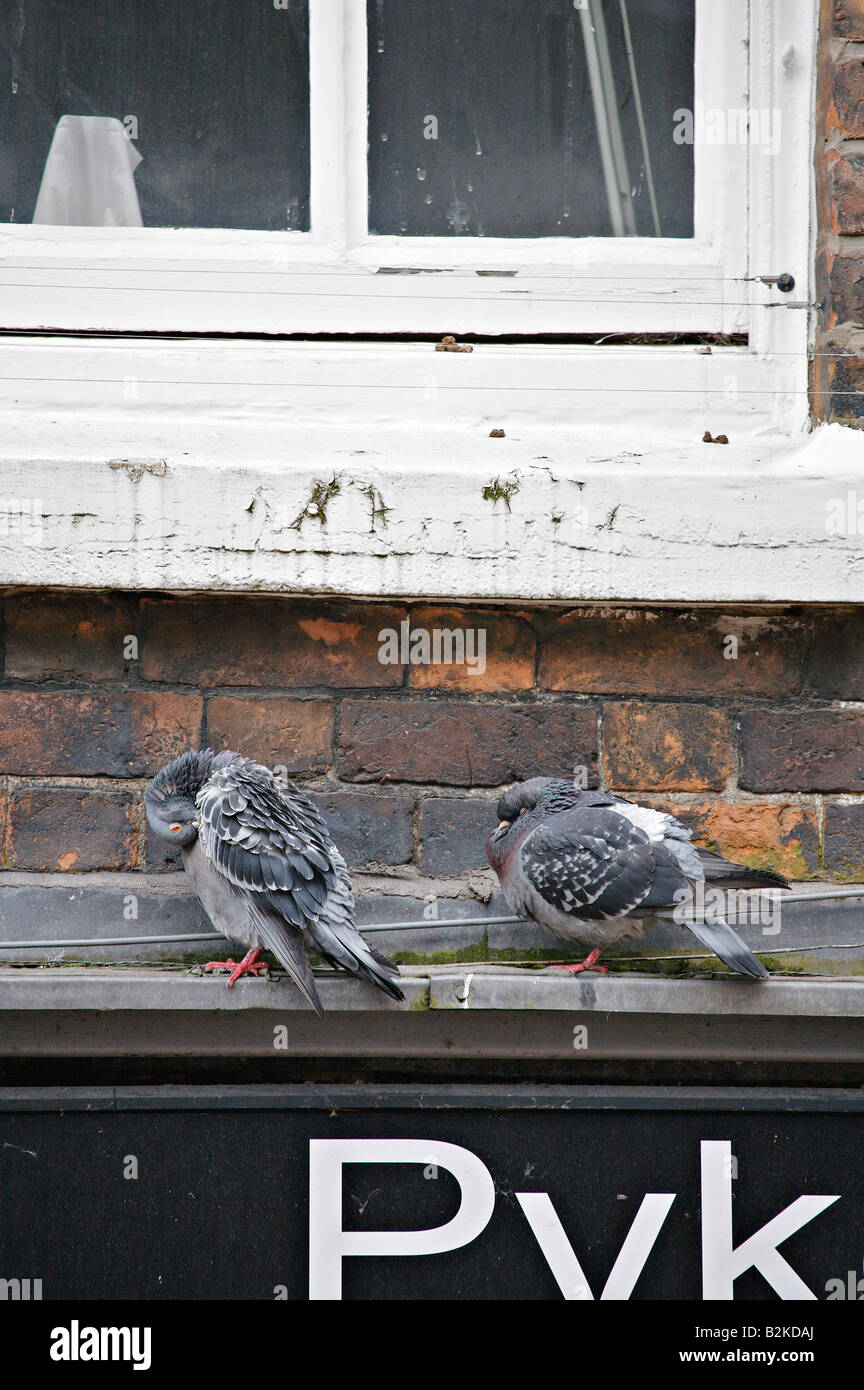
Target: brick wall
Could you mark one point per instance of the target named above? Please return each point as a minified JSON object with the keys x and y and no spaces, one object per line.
{"x":750,"y":725}
{"x":838,"y":367}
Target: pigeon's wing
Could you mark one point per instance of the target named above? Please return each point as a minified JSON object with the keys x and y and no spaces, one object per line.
{"x":340,"y":943}
{"x":590,"y":863}
{"x":271,"y":841}
{"x":265,"y":838}
{"x":663,"y":829}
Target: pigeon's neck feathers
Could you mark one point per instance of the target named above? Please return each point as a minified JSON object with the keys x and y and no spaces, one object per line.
{"x":501,"y":853}
{"x":183,"y":778}
{"x":559,"y":795}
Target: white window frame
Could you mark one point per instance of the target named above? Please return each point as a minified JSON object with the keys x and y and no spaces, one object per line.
{"x":752,"y":218}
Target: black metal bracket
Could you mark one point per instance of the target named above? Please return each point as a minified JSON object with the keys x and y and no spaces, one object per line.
{"x":785,"y":282}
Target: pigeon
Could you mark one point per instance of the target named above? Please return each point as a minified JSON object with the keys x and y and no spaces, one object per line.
{"x":596,"y":868}
{"x":264,"y":868}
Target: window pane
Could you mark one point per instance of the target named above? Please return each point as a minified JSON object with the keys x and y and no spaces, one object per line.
{"x":161,"y":112}
{"x":491,"y":117}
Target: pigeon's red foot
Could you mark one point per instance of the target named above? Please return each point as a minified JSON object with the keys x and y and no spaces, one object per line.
{"x":589,"y":963}
{"x":247,"y":966}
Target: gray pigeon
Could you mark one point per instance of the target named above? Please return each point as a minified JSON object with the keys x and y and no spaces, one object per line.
{"x":264,"y":868}
{"x":596,"y":868}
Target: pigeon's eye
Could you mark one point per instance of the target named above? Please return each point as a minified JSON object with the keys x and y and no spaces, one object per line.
{"x":522,"y":810}
{"x":175,"y":828}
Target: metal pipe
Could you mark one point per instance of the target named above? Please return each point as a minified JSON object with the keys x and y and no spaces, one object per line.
{"x":609,"y":138}
{"x":217,"y":936}
{"x":436,"y":922}
{"x":640,"y":115}
{"x":108,"y":941}
{"x":820,"y":897}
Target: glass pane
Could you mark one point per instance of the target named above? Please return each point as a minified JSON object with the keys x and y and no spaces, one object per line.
{"x":156,"y":112}
{"x":530,"y":118}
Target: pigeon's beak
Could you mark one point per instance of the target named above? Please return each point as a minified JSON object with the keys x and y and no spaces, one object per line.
{"x":504,"y":825}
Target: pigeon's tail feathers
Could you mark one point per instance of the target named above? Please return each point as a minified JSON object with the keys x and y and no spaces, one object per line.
{"x":731,"y":875}
{"x":341,"y":944}
{"x":286,"y":942}
{"x":727,"y":944}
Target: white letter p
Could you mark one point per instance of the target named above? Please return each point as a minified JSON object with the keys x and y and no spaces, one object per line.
{"x":328,"y":1243}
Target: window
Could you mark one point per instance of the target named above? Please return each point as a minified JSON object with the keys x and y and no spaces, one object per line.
{"x":508,"y":119}
{"x":213,"y":104}
{"x":643,"y":163}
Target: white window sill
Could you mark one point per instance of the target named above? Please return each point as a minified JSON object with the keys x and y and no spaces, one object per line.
{"x":187,"y":466}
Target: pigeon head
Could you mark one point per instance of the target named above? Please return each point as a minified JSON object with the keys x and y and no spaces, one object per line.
{"x":549,"y":793}
{"x":170,"y":798}
{"x":521,"y":807}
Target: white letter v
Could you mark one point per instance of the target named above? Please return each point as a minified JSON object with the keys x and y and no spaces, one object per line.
{"x":561,"y":1257}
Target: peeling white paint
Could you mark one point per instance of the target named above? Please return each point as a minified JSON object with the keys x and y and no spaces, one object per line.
{"x":666,"y":521}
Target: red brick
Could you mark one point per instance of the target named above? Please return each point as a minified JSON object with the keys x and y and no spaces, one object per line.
{"x":463,"y":744}
{"x":453,"y":833}
{"x":849,"y":97}
{"x":849,"y":19}
{"x":814,"y":750}
{"x":81,"y":636}
{"x":846,"y":181}
{"x":129,"y":734}
{"x":641,"y":652}
{"x":672,"y":747}
{"x":778,"y":835}
{"x":266,"y":642}
{"x":845,"y":391}
{"x":509,"y":652}
{"x":274,"y":730}
{"x":847,"y":289}
{"x":64,"y":829}
{"x":369,"y":828}
{"x":844,"y":842}
{"x":835,"y":661}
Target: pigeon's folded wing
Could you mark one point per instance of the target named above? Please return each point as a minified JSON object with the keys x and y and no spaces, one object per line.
{"x":590,"y":863}
{"x":264,"y":840}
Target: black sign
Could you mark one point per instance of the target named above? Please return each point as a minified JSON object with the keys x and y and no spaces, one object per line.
{"x":287,"y":1193}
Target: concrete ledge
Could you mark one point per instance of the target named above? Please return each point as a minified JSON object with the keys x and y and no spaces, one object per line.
{"x":87,"y":988}
{"x":472,"y":988}
{"x":641,"y":994}
{"x":459,"y":1023}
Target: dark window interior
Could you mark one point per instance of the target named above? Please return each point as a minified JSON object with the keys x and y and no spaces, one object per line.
{"x":218,"y":93}
{"x":513,"y":147}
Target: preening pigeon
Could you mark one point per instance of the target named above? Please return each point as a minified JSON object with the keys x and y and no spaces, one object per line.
{"x":264,"y":868}
{"x":596,"y":868}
